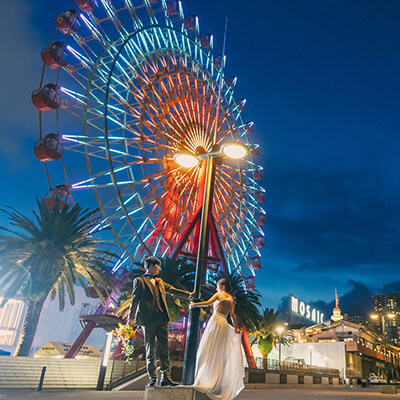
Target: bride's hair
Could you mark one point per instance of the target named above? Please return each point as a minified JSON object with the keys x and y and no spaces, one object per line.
{"x":228,"y":287}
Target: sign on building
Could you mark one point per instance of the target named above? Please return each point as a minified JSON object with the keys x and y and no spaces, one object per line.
{"x":58,"y":350}
{"x":302,"y":309}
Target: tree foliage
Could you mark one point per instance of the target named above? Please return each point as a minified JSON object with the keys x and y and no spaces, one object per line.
{"x":50,"y":254}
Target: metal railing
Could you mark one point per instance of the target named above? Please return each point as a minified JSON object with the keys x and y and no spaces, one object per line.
{"x":273,"y":365}
{"x":122,"y":371}
{"x":88,"y":309}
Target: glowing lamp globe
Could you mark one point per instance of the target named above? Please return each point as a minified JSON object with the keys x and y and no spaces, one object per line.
{"x":280,"y":329}
{"x":186,"y":160}
{"x":234,"y":150}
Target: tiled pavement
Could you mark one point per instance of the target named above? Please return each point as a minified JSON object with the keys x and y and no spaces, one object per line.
{"x":267,"y":394}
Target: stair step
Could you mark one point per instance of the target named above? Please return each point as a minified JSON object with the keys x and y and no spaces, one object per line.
{"x":25,"y":372}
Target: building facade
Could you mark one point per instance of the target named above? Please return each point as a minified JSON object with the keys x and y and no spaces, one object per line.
{"x":11,"y":323}
{"x":389,"y":303}
{"x":363,"y":347}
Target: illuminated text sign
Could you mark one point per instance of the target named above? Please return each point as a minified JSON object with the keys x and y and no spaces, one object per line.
{"x":303,"y":309}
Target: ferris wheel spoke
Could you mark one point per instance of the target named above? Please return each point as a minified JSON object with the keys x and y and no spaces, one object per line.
{"x":89,"y":59}
{"x":169,"y":126}
{"x":232,"y":192}
{"x":188,"y":102}
{"x":203,"y":112}
{"x":210,"y":115}
{"x":174,"y":127}
{"x":137,"y":24}
{"x":182,"y":198}
{"x":107,"y":45}
{"x":156,"y":176}
{"x":93,"y":30}
{"x":113,"y":15}
{"x":151,"y":200}
{"x":188,"y":111}
{"x":187,"y":205}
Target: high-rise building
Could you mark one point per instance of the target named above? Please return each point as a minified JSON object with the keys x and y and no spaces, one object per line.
{"x":389,"y":303}
{"x":357,"y":319}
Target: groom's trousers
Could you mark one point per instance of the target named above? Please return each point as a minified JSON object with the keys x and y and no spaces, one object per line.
{"x":157,"y":328}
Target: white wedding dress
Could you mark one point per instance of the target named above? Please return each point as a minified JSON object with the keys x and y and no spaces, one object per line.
{"x":219,"y":366}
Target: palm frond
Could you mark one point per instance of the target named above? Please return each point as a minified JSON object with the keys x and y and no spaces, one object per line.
{"x":247,"y":302}
{"x":53,"y":252}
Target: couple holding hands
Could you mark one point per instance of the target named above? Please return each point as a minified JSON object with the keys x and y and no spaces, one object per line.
{"x":219,"y":366}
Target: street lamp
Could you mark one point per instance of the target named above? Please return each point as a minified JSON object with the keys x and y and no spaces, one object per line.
{"x":186,"y":160}
{"x":310,"y":347}
{"x":190,"y":160}
{"x":376,"y":317}
{"x":280,"y":330}
{"x":104,"y":361}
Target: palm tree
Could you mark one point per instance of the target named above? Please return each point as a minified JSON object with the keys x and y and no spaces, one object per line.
{"x":49,"y":255}
{"x":179,"y":273}
{"x":265,"y":334}
{"x":246,"y":309}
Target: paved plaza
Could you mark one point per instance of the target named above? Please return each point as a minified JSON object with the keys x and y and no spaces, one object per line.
{"x":267,"y":394}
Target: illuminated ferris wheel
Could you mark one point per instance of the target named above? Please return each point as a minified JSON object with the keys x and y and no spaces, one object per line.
{"x":144,"y":84}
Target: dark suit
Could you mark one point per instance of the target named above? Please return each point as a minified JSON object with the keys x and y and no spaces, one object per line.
{"x":152,"y":314}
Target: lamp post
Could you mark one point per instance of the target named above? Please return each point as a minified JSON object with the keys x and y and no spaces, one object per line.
{"x":104,"y":361}
{"x":390,"y":316}
{"x":280,"y":330}
{"x":190,"y":160}
{"x":310,"y":347}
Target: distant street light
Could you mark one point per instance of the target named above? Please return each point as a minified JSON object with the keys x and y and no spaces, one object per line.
{"x":280,"y":330}
{"x":390,"y":316}
{"x":310,"y":347}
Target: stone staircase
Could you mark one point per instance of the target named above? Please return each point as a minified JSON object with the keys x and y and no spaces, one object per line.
{"x":61,"y":373}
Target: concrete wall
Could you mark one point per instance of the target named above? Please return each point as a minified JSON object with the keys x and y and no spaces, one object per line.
{"x":256,"y":378}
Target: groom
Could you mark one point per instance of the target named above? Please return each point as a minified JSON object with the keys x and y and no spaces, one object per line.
{"x":149,"y":300}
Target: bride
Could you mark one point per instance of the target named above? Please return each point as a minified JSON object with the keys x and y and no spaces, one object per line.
{"x":219,"y":366}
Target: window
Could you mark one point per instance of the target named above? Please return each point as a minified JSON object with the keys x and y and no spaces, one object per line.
{"x":10,"y":316}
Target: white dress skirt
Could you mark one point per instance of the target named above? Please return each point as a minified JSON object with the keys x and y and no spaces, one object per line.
{"x":219,"y":367}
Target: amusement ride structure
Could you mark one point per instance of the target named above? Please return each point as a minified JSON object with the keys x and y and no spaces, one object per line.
{"x":125,"y":86}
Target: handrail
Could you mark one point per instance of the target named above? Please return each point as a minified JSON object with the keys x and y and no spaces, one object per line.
{"x":122,"y":371}
{"x":273,"y":365}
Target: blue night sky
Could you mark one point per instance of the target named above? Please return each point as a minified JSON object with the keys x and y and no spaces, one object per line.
{"x":322,"y":84}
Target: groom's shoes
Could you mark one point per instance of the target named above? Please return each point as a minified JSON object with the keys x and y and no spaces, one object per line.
{"x":152,"y":382}
{"x":167,"y":382}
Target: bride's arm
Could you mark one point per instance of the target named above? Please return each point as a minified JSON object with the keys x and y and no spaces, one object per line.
{"x":205,"y":303}
{"x":235,"y":320}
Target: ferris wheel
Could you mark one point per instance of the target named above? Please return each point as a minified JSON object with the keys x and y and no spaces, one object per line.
{"x":126,"y":84}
